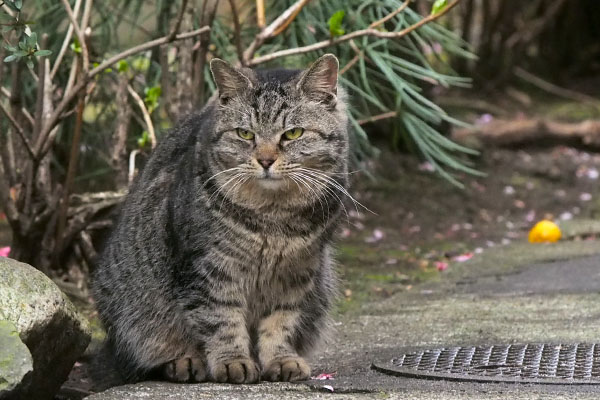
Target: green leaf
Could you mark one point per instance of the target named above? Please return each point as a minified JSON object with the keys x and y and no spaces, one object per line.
{"x":32,"y":39}
{"x":18,"y":4}
{"x":29,"y":63}
{"x":11,"y":58}
{"x":42,"y":53}
{"x":438,"y":6}
{"x":76,"y":46}
{"x":335,"y":23}
{"x":152,"y":96}
{"x":123,"y":66}
{"x":144,"y":140}
{"x":11,"y":4}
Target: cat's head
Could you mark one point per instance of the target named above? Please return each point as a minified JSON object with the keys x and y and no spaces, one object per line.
{"x":279,"y":135}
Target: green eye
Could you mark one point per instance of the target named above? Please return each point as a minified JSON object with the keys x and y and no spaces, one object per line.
{"x":245,"y":134}
{"x":293,"y":133}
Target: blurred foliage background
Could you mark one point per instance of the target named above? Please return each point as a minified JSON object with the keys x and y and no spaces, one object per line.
{"x":394,"y":84}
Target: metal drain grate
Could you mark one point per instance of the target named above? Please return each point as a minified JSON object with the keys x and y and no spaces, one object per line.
{"x":567,"y":363}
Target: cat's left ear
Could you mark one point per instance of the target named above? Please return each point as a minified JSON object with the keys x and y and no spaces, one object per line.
{"x":319,"y":82}
{"x":230,"y":81}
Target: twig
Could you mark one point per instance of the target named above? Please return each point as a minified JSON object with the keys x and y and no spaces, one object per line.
{"x":207,"y":19}
{"x":270,"y":30}
{"x":237,"y":30}
{"x":79,"y":33}
{"x":355,"y":59}
{"x":177,"y":25}
{"x":145,"y":113}
{"x":350,"y":36}
{"x":131,"y":174}
{"x":39,"y":105}
{"x":73,"y":161}
{"x":290,"y":19}
{"x":18,"y":129}
{"x":4,"y":91}
{"x":7,"y":204}
{"x":391,"y":15}
{"x":260,"y":14}
{"x":390,"y":114}
{"x":118,"y":151}
{"x":44,"y":145}
{"x":66,"y":42}
{"x":554,"y":89}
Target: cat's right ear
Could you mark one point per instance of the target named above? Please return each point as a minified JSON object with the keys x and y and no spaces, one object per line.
{"x":230,"y":81}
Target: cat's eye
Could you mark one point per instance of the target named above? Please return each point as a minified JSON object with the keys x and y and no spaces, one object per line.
{"x":292,"y":134}
{"x":244,"y":134}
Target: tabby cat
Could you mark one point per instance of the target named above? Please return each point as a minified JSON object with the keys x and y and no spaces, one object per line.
{"x":219,"y":267}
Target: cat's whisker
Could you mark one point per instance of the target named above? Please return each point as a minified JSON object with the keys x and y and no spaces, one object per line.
{"x":327,"y":189}
{"x":301,"y":180}
{"x":324,"y":177}
{"x":242,"y":179}
{"x":220,"y":189}
{"x":329,"y":173}
{"x":221,"y":172}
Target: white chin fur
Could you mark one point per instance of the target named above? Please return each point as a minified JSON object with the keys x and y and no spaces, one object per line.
{"x":271,"y":184}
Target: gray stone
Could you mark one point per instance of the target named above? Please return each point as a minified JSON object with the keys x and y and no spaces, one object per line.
{"x":15,"y":358}
{"x":47,"y":322}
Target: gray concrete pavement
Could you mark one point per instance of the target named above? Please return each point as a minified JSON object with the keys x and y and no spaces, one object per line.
{"x":514,"y":294}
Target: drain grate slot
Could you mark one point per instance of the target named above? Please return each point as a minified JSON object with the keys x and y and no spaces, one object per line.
{"x":573,"y":363}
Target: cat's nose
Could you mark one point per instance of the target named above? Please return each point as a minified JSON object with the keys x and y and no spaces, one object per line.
{"x":266,"y":162}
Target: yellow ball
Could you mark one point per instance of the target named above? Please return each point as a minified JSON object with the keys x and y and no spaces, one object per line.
{"x":545,"y":232}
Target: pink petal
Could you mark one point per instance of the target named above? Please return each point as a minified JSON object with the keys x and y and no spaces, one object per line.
{"x":4,"y":251}
{"x":463,"y":257}
{"x":324,"y":376}
{"x":441,"y":265}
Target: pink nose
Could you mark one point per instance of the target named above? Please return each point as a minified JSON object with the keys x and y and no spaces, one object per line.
{"x":266,"y":162}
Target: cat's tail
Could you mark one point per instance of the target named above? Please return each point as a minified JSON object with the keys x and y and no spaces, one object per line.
{"x":102,"y":368}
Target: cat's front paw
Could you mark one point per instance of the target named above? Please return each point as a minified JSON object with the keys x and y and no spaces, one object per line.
{"x":288,"y":369}
{"x":237,"y":370}
{"x":187,"y":369}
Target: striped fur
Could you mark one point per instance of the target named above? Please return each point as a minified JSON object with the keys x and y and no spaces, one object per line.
{"x":219,"y":269}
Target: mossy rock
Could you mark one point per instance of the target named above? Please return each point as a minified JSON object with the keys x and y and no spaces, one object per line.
{"x":15,"y":358}
{"x":47,"y":323}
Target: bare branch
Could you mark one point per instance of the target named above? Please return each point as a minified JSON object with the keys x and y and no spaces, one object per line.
{"x":79,"y":33}
{"x":39,"y":105}
{"x":207,"y":18}
{"x":237,"y":30}
{"x":6,"y":202}
{"x":178,"y":20}
{"x":66,"y":41}
{"x":260,"y":14}
{"x":391,"y":15}
{"x":145,"y":113}
{"x":132,"y":156}
{"x":4,"y":91}
{"x":44,"y":145}
{"x":143,"y":47}
{"x":18,"y":129}
{"x":386,"y":115}
{"x":270,"y":31}
{"x":350,"y":36}
{"x":554,"y":89}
